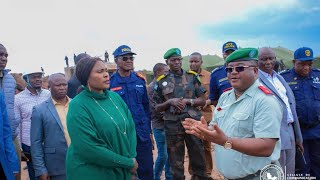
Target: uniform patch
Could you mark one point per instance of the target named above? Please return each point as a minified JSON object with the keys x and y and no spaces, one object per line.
{"x":165,"y":83}
{"x":265,"y":90}
{"x":223,"y":79}
{"x":292,"y":83}
{"x":116,"y":88}
{"x":137,"y":85}
{"x":316,"y":80}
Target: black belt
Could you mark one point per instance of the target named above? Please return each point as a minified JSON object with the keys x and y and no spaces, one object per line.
{"x":249,"y":176}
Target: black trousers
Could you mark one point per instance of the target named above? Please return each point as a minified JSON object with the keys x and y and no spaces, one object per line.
{"x":2,"y":175}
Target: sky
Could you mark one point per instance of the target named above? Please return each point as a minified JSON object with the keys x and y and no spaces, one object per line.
{"x":40,"y":33}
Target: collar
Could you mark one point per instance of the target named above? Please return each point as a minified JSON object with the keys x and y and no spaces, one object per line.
{"x":132,"y":77}
{"x":1,"y":74}
{"x":29,"y":92}
{"x":267,"y":74}
{"x":183,"y":72}
{"x":297,"y":76}
{"x":95,"y":95}
{"x":57,"y":103}
{"x":251,"y":91}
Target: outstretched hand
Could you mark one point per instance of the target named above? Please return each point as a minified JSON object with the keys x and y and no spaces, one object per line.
{"x":201,"y":130}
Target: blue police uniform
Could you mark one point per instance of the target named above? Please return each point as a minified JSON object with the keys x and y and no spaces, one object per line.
{"x":307,"y":94}
{"x":218,"y":83}
{"x":132,"y":90}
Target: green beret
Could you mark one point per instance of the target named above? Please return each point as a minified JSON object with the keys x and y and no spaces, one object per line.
{"x":172,"y":52}
{"x":243,"y":54}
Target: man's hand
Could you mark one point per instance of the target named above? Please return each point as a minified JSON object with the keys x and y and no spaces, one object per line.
{"x":152,"y":141}
{"x":202,"y":131}
{"x":208,"y":103}
{"x":44,"y":177}
{"x":178,"y":103}
{"x":190,"y":124}
{"x":299,"y":144}
{"x":133,"y":171}
{"x":24,"y":157}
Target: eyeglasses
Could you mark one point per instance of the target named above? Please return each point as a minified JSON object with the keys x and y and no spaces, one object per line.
{"x":125,"y":58}
{"x":237,"y":68}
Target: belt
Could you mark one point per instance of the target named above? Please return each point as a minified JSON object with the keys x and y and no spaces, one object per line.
{"x":249,"y":176}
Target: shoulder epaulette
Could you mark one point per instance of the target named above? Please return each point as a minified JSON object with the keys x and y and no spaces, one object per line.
{"x":216,"y":69}
{"x":316,"y":69}
{"x":140,"y":76}
{"x":192,"y":72}
{"x":284,"y":71}
{"x":228,"y":89}
{"x":265,"y":90}
{"x":161,"y":77}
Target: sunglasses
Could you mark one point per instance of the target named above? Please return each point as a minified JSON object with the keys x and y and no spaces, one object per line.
{"x":125,"y":58}
{"x":237,"y":68}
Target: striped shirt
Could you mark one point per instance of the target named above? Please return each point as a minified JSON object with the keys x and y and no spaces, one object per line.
{"x":23,"y":104}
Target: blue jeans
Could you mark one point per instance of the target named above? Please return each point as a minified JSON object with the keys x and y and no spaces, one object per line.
{"x":31,"y":172}
{"x":162,"y":159}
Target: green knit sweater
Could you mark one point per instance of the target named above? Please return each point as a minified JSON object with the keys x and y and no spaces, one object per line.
{"x":98,"y":150}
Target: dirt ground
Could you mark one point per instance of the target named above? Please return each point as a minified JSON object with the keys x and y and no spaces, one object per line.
{"x":215,"y":174}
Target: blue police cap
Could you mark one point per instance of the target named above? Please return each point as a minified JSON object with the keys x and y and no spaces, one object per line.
{"x":229,"y":45}
{"x":123,"y":50}
{"x":304,"y":54}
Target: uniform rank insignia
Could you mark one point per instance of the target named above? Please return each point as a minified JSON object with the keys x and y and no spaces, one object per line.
{"x":265,"y":90}
{"x":116,"y":88}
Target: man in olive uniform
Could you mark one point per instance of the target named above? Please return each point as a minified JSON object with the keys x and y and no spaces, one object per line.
{"x":180,"y":94}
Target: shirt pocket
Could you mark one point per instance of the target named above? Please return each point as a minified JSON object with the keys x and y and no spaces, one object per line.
{"x":316,"y":91}
{"x":244,"y":124}
{"x":297,"y":92}
{"x":139,"y":95}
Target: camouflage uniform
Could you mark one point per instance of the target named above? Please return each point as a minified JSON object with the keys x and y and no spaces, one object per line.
{"x":187,"y":85}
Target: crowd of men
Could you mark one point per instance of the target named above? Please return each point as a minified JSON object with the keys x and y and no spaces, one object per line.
{"x":255,"y":116}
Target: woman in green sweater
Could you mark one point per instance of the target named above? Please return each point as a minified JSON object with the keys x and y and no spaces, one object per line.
{"x":102,"y":132}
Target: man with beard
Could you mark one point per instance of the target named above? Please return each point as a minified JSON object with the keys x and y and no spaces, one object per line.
{"x":24,"y":102}
{"x":49,"y":135}
{"x":305,"y":84}
{"x":131,"y":86}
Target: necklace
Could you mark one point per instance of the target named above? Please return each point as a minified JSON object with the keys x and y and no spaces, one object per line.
{"x":124,"y":120}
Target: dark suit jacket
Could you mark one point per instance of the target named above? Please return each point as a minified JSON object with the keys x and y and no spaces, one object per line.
{"x":48,"y":143}
{"x":286,"y":130}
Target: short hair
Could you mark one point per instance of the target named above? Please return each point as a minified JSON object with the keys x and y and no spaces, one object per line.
{"x":158,"y":67}
{"x":84,"y":68}
{"x":50,"y":79}
{"x":196,"y":54}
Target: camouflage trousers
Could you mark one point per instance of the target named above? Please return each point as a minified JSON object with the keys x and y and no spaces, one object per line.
{"x":177,"y":139}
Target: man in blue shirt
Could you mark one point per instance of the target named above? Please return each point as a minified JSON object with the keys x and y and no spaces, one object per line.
{"x":218,"y":79}
{"x":132,"y":88}
{"x":305,"y":84}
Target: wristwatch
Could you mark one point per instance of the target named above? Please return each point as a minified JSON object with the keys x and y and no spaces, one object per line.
{"x":191,"y":102}
{"x":228,"y":144}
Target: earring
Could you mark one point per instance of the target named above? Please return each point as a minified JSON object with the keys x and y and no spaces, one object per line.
{"x":89,"y":86}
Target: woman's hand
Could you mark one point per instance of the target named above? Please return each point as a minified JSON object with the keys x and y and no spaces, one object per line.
{"x":133,"y":171}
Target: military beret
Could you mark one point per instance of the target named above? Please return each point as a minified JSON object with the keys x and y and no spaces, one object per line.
{"x":243,"y":54}
{"x":172,"y":52}
{"x":304,"y":54}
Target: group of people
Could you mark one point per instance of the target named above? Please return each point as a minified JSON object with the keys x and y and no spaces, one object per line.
{"x":99,"y":126}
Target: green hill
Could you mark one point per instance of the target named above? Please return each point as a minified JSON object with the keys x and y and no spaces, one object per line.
{"x":208,"y":61}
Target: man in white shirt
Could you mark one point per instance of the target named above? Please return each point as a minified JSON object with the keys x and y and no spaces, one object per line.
{"x":290,"y":133}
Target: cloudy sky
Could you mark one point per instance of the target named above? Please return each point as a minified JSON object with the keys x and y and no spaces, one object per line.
{"x":40,"y":33}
